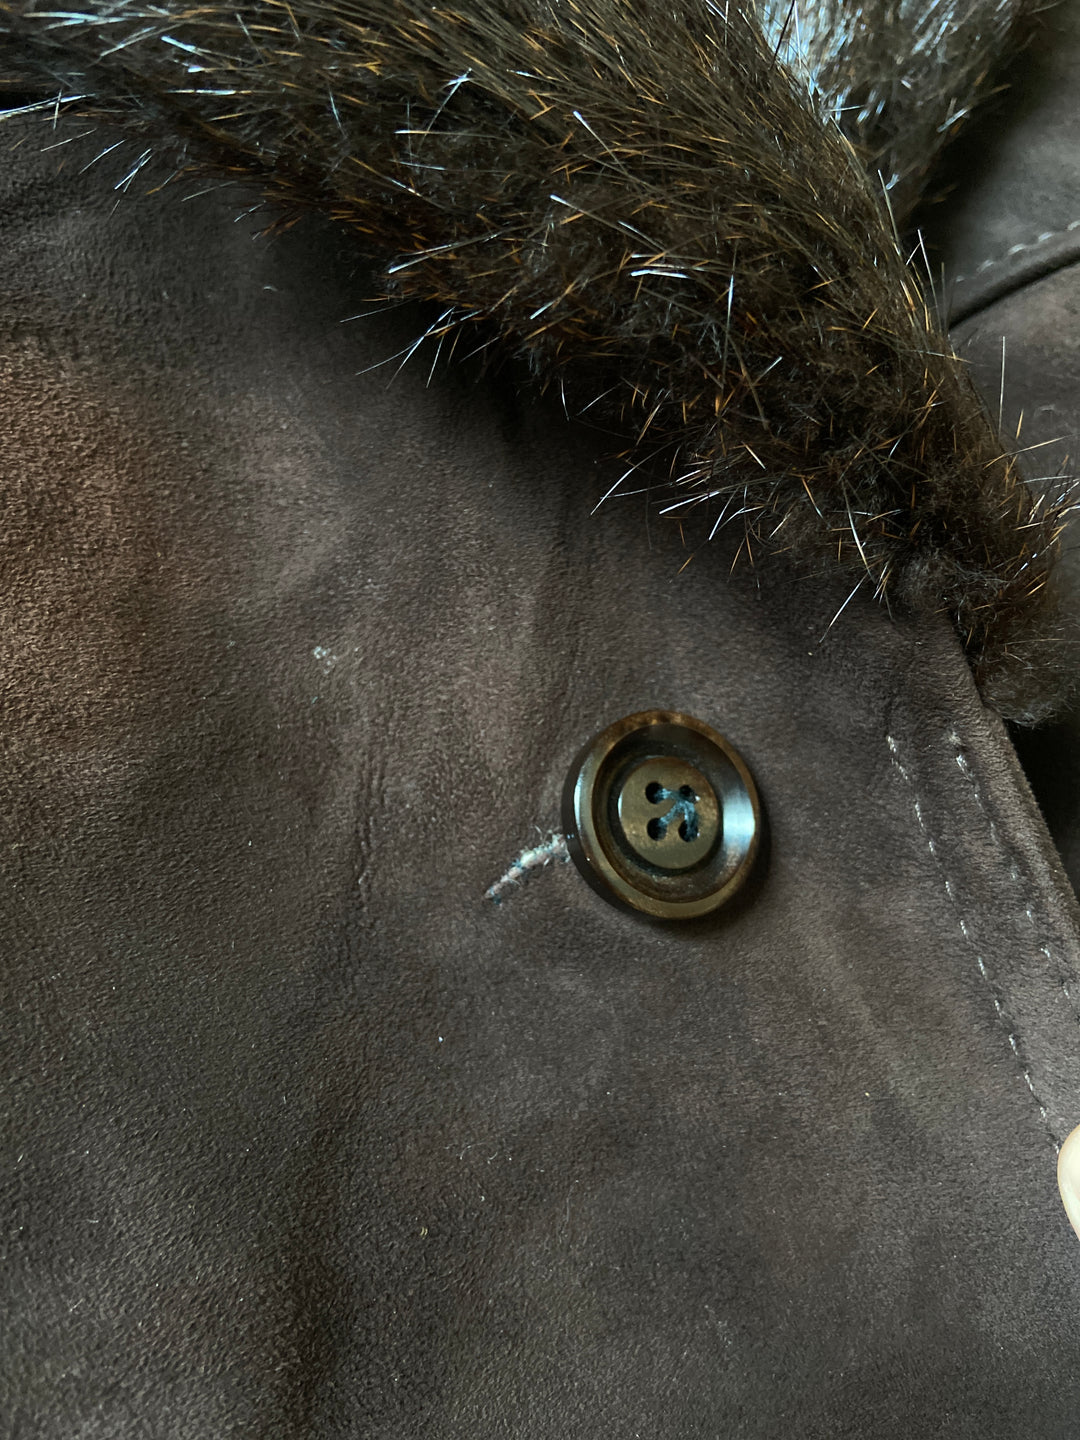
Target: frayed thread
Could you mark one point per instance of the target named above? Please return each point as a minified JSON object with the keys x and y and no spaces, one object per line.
{"x":535,"y":858}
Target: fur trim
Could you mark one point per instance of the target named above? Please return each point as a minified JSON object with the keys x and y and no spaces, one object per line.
{"x":666,"y":220}
{"x":897,"y":77}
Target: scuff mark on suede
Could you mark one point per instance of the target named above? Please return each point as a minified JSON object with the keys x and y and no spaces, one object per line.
{"x":535,"y":858}
{"x":950,"y":890}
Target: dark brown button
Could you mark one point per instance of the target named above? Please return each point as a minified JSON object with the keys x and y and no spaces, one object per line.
{"x":662,"y":815}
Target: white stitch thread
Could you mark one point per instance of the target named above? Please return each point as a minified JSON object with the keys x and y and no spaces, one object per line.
{"x":1014,"y":869}
{"x":969,"y":776}
{"x":993,"y":260}
{"x":553,"y":848}
{"x":961,"y":760}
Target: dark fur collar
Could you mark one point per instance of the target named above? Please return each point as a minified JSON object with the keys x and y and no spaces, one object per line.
{"x":663,"y":215}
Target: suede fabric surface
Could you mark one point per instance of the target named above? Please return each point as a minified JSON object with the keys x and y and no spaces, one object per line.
{"x":303,"y":1135}
{"x":1008,"y":241}
{"x":1012,"y":181}
{"x":1039,"y":326}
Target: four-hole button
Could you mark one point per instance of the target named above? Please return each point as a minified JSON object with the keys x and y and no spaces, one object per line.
{"x":661,"y":814}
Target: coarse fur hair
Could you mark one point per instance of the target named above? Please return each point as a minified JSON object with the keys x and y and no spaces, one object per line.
{"x":686,"y":219}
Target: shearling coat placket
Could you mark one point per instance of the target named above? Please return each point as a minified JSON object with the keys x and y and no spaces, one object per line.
{"x":336,"y":1103}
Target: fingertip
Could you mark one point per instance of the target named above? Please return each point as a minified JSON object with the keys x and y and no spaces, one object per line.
{"x":1068,"y":1176}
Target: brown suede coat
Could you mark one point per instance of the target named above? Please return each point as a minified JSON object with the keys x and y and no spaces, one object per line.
{"x":305,"y":1137}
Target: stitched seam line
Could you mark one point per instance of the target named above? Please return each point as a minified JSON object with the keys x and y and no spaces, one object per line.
{"x":1014,"y":870}
{"x":1020,"y":249}
{"x":950,"y":891}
